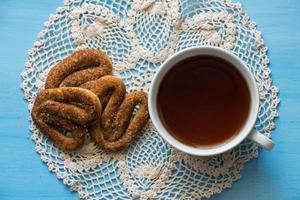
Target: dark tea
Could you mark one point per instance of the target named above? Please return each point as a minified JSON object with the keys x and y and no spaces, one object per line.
{"x":203,"y":101}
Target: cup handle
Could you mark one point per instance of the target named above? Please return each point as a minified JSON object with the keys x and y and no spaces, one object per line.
{"x":261,"y":139}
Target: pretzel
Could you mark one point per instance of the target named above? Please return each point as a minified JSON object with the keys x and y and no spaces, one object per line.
{"x":78,"y":68}
{"x":117,"y":127}
{"x":66,"y":109}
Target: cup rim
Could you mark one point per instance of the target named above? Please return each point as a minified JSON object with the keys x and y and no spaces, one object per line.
{"x":239,"y":65}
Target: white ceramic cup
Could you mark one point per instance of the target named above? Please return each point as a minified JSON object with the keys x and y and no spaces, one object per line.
{"x":247,"y":131}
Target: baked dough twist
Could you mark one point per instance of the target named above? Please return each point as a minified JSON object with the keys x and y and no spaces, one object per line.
{"x":78,"y":68}
{"x":66,"y":109}
{"x":118,"y":126}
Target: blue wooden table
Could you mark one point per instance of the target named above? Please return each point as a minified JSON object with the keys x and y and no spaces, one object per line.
{"x":274,"y":175}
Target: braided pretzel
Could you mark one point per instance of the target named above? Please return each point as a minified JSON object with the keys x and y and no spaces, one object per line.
{"x":78,"y":68}
{"x":117,"y":126}
{"x":66,"y":109}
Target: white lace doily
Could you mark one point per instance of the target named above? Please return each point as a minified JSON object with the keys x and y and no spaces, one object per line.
{"x":139,"y":36}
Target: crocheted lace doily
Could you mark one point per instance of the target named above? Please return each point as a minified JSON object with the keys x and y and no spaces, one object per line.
{"x":139,"y":36}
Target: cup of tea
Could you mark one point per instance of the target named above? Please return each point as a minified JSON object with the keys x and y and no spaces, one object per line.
{"x":204,"y":101}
